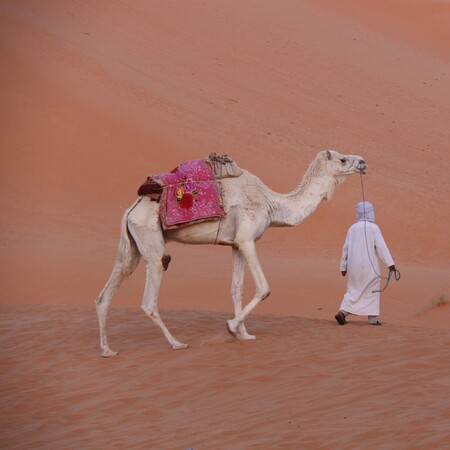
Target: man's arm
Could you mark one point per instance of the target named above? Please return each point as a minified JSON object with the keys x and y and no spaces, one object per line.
{"x":344,"y":257}
{"x":382,"y":249}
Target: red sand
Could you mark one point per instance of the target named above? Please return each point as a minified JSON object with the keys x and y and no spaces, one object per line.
{"x":97,"y":95}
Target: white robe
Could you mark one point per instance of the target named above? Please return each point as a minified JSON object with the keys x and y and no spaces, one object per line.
{"x":360,"y":260}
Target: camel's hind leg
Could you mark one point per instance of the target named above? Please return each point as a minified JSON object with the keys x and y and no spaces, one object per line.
{"x":149,"y":303}
{"x":237,"y":292}
{"x":102,"y":305}
{"x":146,"y":230}
{"x":127,"y":260}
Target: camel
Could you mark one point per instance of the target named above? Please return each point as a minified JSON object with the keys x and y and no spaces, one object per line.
{"x":250,"y":207}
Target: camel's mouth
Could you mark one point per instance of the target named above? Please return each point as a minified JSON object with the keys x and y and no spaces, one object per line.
{"x":362,"y":166}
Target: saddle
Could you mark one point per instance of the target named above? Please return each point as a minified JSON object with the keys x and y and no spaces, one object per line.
{"x":191,"y":192}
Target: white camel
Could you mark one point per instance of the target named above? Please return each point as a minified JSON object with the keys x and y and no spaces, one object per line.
{"x":251,"y":207}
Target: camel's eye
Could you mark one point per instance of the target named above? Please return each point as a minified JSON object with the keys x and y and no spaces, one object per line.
{"x":343,"y":161}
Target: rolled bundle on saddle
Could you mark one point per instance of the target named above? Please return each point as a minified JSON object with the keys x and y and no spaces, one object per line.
{"x":190,"y":193}
{"x":223,"y":166}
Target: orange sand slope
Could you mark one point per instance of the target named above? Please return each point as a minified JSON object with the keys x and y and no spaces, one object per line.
{"x":97,"y":95}
{"x":303,"y":384}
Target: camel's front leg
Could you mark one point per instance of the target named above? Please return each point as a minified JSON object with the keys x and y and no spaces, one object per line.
{"x":248,"y":251}
{"x":237,"y":292}
{"x":149,"y":303}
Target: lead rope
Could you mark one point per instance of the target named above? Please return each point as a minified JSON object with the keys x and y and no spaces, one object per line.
{"x":397,"y":274}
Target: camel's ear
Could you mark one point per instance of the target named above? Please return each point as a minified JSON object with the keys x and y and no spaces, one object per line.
{"x":328,"y":153}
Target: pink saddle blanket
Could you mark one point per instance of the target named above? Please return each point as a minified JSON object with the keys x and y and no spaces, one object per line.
{"x":188,"y":194}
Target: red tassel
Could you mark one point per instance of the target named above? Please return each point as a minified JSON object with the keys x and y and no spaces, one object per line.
{"x":187,"y":201}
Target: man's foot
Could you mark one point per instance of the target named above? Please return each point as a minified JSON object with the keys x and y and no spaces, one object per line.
{"x":340,"y":318}
{"x":375,"y":323}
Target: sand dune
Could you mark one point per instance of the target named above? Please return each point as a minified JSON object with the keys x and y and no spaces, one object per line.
{"x":304,"y":383}
{"x":96,"y":96}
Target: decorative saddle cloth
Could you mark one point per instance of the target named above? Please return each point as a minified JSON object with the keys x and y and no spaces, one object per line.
{"x":190,"y":192}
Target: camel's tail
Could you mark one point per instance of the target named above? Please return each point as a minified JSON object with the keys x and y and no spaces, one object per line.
{"x":128,"y":255}
{"x":127,"y":260}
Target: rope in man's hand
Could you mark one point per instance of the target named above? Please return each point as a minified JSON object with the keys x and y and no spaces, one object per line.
{"x":397,"y":276}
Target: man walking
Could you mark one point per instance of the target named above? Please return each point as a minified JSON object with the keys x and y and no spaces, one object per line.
{"x":363,"y":246}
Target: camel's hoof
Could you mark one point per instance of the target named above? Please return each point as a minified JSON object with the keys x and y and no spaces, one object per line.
{"x":179,"y":346}
{"x":245,"y":337}
{"x":106,"y":353}
{"x":232,"y":328}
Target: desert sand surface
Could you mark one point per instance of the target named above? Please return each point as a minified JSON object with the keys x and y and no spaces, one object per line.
{"x":97,"y":95}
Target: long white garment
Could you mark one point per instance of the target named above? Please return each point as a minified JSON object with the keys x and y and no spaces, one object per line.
{"x":363,"y":245}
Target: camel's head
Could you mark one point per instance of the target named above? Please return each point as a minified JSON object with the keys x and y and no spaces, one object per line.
{"x":343,"y":165}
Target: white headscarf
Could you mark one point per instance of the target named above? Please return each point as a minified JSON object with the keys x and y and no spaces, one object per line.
{"x":364,"y":211}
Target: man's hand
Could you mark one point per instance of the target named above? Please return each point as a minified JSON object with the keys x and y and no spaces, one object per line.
{"x":344,"y":272}
{"x":391,"y":268}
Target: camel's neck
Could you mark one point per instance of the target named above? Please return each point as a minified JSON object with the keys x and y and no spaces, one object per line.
{"x":293,"y":208}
